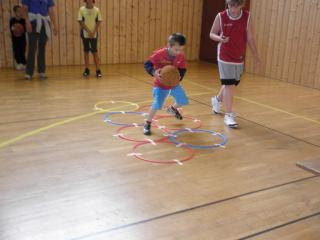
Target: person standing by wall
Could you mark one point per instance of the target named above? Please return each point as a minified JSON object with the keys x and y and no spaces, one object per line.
{"x":90,"y":20}
{"x":18,"y":37}
{"x":40,"y":18}
{"x":233,"y":29}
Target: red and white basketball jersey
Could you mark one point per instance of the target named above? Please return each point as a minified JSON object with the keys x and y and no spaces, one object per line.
{"x":236,"y":29}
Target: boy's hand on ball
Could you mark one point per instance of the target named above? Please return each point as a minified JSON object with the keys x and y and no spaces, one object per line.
{"x":157,"y":74}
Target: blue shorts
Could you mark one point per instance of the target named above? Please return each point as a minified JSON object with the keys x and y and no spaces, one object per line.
{"x":160,"y":95}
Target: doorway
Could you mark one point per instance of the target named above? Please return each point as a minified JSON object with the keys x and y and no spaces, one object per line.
{"x":208,"y":48}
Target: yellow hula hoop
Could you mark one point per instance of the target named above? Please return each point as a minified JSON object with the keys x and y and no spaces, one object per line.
{"x":69,"y":120}
{"x":102,"y":110}
{"x":97,"y":110}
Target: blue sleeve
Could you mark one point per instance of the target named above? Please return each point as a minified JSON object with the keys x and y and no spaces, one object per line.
{"x":148,"y":66}
{"x":182,"y":72}
{"x":25,"y":2}
{"x":50,"y":3}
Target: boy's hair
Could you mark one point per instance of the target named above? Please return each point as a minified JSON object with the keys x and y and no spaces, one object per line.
{"x":236,"y":3}
{"x":94,"y":1}
{"x":177,"y":38}
{"x":16,"y":7}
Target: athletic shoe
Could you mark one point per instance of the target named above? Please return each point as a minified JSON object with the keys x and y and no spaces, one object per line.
{"x":43,"y":76}
{"x":27,"y":77}
{"x":147,"y":129}
{"x":216,"y":105}
{"x":175,"y":112}
{"x":98,"y":73}
{"x":229,"y":120}
{"x":20,"y":67}
{"x":86,"y":72}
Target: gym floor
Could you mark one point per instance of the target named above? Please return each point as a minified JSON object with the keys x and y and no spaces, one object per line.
{"x":65,"y":174}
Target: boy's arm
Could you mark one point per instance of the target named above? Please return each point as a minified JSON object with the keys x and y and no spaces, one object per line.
{"x":252,"y":42}
{"x":97,"y":26}
{"x":11,"y":25}
{"x":182,"y":68}
{"x":182,"y":72}
{"x":84,"y":26}
{"x":216,"y":30}
{"x":149,"y":67}
{"x":98,"y":22}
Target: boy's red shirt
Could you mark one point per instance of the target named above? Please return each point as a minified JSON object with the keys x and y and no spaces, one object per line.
{"x":161,"y":58}
{"x":236,"y":29}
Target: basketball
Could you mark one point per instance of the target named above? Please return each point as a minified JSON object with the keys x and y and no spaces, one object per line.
{"x":18,"y":29}
{"x":170,"y":76}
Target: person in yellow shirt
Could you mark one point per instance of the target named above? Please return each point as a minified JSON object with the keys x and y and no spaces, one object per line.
{"x":90,"y":20}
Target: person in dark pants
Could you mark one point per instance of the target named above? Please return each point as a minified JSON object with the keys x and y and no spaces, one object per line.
{"x":40,"y":16}
{"x":18,"y":37}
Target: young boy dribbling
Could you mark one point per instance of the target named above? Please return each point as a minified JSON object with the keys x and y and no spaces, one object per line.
{"x":170,"y":55}
{"x":233,"y":30}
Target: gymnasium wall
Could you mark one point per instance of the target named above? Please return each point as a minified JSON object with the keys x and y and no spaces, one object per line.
{"x":131,"y":30}
{"x":288,"y":36}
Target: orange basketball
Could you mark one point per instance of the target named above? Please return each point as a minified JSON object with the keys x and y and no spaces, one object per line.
{"x":170,"y":76}
{"x":18,"y":29}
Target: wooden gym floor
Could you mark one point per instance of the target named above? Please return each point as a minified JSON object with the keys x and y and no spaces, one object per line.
{"x":64,"y":176}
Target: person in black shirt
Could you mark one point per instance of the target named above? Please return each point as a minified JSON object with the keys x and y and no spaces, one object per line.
{"x":18,"y":36}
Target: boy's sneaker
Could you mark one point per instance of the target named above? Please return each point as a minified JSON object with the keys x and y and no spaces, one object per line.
{"x":229,"y":120}
{"x":20,"y":67}
{"x":147,"y":129}
{"x":175,"y":112}
{"x":98,"y":73}
{"x":86,"y":72}
{"x":216,"y":105}
{"x":27,"y":77}
{"x":43,"y":76}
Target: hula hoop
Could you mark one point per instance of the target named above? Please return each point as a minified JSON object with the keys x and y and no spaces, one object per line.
{"x":198,"y":123}
{"x":100,"y":109}
{"x":108,"y":120}
{"x":139,"y":156}
{"x":173,"y":138}
{"x":123,"y":137}
{"x":146,"y":108}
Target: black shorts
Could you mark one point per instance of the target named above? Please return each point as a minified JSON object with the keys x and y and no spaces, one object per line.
{"x":90,"y":44}
{"x":230,"y":82}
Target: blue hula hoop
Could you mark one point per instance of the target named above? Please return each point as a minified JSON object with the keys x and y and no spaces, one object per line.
{"x":107,"y":119}
{"x":174,"y":135}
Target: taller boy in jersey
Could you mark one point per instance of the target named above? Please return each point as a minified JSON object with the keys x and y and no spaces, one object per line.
{"x":233,"y":30}
{"x":170,"y":55}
